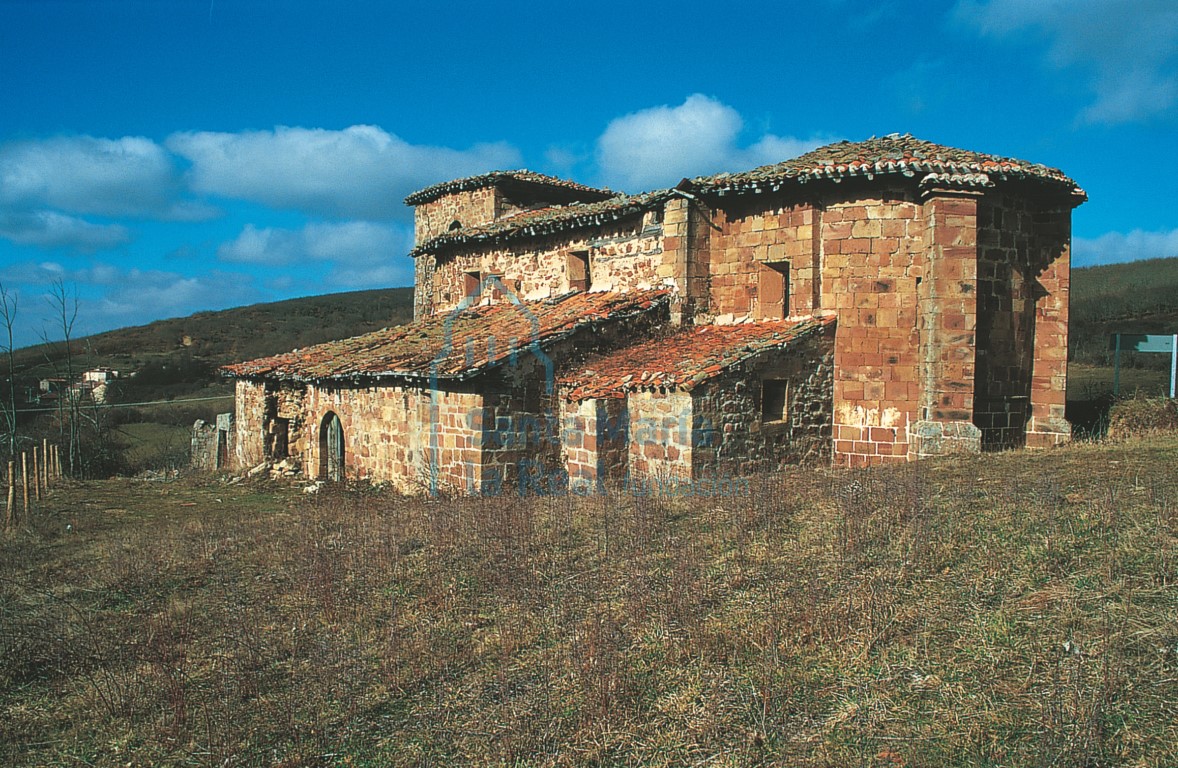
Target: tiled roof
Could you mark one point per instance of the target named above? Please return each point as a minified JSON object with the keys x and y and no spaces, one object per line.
{"x":494,"y":177}
{"x":481,"y":336}
{"x":684,"y":360}
{"x":893,"y":154}
{"x":546,"y":221}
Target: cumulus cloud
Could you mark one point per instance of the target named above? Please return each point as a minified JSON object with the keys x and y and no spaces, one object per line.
{"x":359,"y":172}
{"x":661,"y":145}
{"x":50,"y":229}
{"x":146,"y":295}
{"x":112,"y":296}
{"x":356,"y":243}
{"x":1127,"y":47}
{"x":1117,"y":247}
{"x":130,"y":176}
{"x":400,"y":273}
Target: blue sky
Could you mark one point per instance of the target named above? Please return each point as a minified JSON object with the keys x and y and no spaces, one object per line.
{"x":162,"y":158}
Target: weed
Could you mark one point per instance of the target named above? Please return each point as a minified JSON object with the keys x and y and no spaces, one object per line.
{"x":911,"y":615}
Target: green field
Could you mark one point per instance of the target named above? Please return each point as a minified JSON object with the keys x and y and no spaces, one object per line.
{"x":155,"y":445}
{"x":1014,"y":609}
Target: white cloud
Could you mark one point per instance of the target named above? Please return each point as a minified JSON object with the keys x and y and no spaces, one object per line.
{"x":1117,"y":247}
{"x":358,"y":172}
{"x":113,"y":297}
{"x":355,"y":243}
{"x":661,"y":145}
{"x":130,"y":176}
{"x":1129,"y":48}
{"x":145,"y":295}
{"x":49,"y":229}
{"x":374,"y":277}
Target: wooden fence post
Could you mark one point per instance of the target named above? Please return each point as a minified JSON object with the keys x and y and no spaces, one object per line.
{"x":8,"y":518}
{"x":36,"y":477}
{"x":24,"y":479}
{"x":45,"y":462}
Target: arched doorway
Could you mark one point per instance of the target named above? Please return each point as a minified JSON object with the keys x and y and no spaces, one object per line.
{"x":331,"y":448}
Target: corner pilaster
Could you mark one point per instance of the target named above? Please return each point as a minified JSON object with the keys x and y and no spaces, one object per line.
{"x":947,"y":299}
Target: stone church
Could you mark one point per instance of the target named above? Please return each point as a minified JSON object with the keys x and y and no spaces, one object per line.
{"x":867,"y":302}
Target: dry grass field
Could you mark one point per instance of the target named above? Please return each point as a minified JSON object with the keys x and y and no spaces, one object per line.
{"x":1018,"y":609}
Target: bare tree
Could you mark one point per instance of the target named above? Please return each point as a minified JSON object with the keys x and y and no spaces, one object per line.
{"x":8,"y":305}
{"x":64,"y":305}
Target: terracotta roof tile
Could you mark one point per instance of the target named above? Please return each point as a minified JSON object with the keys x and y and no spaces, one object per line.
{"x":685,"y":359}
{"x":893,"y":154}
{"x":546,"y":221}
{"x":454,"y":345}
{"x":494,"y":177}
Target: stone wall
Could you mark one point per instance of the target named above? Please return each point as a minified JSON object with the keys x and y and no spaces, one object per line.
{"x":521,"y":450}
{"x":423,"y":285}
{"x":1051,"y":265}
{"x":872,"y":251}
{"x":469,"y":208}
{"x":1023,"y":284}
{"x":623,"y":255}
{"x":388,"y":435}
{"x":660,"y":435}
{"x":1006,"y":321}
{"x":854,"y":249}
{"x":203,"y":453}
{"x":250,"y":423}
{"x":732,"y":436}
{"x":594,"y":434}
{"x":213,"y":447}
{"x":749,"y":234}
{"x":948,"y":323}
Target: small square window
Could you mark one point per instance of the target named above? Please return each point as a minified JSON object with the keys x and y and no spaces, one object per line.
{"x":774,"y":400}
{"x":471,"y":282}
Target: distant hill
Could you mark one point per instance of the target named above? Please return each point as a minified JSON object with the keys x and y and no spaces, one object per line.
{"x":180,"y":356}
{"x":244,"y":332}
{"x":1137,"y":297}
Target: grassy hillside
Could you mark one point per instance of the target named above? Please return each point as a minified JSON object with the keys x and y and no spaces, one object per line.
{"x":1137,"y":297}
{"x":1018,"y":609}
{"x":175,"y":362}
{"x":212,"y":339}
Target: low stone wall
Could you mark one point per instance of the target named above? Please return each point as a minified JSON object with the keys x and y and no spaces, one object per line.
{"x":213,"y":444}
{"x":733,"y":436}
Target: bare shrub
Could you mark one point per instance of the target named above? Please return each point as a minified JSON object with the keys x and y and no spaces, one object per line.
{"x":1138,"y":416}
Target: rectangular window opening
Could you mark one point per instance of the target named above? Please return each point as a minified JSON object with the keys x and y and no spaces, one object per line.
{"x":580,"y":278}
{"x":773,"y":290}
{"x":281,"y":438}
{"x":774,"y":400}
{"x":471,"y":282}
